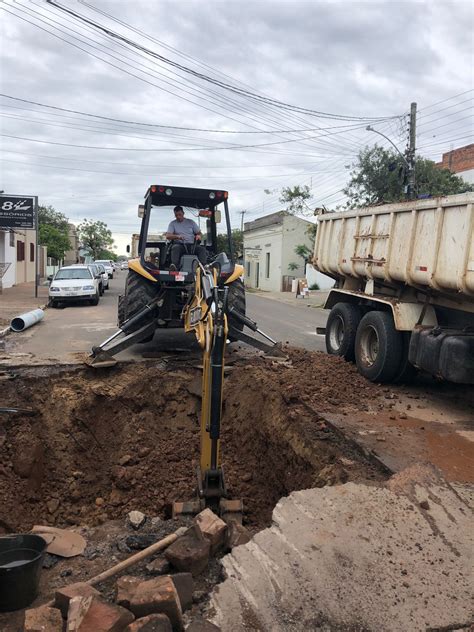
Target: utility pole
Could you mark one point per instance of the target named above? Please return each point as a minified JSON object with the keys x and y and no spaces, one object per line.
{"x":242,"y":213}
{"x":410,"y":153}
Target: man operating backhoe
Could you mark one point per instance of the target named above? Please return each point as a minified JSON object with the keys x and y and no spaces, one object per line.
{"x":185,"y":234}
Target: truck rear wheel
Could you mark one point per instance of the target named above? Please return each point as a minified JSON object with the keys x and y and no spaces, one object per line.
{"x":138,"y":293}
{"x":236,"y":299}
{"x":378,"y":347}
{"x":341,"y":330}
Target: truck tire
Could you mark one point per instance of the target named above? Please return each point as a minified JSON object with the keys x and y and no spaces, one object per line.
{"x":341,"y":330}
{"x":236,"y":299}
{"x":138,"y":293}
{"x":378,"y":347}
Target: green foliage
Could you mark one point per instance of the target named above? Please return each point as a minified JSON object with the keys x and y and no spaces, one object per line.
{"x":314,"y":286}
{"x":237,"y":242}
{"x":379,"y":176}
{"x":96,"y":238}
{"x":303,"y":251}
{"x":108,"y":254}
{"x":295,"y":199}
{"x":53,"y":231}
{"x":55,"y":239}
{"x":293,"y":266}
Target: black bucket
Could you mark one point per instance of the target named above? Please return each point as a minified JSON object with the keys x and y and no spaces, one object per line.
{"x":21,"y":559}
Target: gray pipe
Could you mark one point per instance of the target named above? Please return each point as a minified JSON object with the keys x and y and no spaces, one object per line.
{"x":19,"y":323}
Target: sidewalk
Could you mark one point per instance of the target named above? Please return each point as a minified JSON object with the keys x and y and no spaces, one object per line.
{"x":19,"y":299}
{"x":316,"y":298}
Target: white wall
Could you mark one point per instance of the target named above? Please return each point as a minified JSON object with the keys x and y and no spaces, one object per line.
{"x":314,"y":276}
{"x":467,"y":176}
{"x":294,"y":234}
{"x":268,"y":240}
{"x":7,"y":255}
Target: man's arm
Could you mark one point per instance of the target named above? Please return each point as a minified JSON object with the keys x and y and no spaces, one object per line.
{"x":196,"y":231}
{"x":171,"y":234}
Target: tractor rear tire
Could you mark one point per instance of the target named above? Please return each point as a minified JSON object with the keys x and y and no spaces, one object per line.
{"x":236,"y":299}
{"x":138,"y":293}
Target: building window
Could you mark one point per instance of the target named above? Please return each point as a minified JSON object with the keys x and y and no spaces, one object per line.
{"x":257,"y":274}
{"x":12,"y":239}
{"x":32,"y":252}
{"x":20,"y":250}
{"x":267,"y":265}
{"x":248,"y":268}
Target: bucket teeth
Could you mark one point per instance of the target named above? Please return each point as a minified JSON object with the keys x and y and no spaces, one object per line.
{"x":188,"y":508}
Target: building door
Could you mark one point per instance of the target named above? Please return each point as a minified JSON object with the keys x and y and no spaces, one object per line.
{"x":257,"y":274}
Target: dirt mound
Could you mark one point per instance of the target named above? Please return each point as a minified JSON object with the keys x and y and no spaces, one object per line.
{"x":103,"y":443}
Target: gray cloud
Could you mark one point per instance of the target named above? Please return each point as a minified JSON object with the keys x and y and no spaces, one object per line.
{"x":360,"y":59}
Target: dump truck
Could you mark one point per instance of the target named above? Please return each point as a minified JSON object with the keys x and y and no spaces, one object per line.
{"x":403,"y":298}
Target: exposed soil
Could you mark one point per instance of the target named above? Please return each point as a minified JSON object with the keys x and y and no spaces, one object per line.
{"x":103,"y":443}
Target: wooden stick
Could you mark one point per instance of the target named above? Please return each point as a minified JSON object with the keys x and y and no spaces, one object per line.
{"x":138,"y":557}
{"x":133,"y":559}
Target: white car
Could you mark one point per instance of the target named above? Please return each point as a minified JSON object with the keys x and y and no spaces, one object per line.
{"x":105,"y":276}
{"x":108,"y":267}
{"x":74,"y":283}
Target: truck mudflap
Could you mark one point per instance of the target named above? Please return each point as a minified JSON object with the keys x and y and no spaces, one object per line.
{"x":446,"y":353}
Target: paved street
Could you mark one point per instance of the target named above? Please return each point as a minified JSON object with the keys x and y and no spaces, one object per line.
{"x":66,"y":334}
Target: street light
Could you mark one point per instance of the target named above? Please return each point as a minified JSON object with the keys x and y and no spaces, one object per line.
{"x":369,"y":128}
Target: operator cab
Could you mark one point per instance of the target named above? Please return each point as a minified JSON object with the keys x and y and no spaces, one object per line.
{"x":201,"y":205}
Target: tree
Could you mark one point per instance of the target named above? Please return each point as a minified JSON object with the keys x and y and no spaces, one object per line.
{"x":379,"y":176}
{"x":237,"y":242}
{"x":95,"y":237}
{"x":295,"y":199}
{"x":53,"y":231}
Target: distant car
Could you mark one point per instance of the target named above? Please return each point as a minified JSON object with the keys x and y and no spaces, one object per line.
{"x":108,"y":267}
{"x":124,"y":265}
{"x":74,"y":283}
{"x":105,"y":276}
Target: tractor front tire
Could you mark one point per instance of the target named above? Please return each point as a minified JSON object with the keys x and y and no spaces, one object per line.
{"x":138,"y":293}
{"x":236,"y":299}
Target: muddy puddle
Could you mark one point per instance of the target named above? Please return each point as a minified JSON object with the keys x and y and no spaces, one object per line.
{"x":99,"y":444}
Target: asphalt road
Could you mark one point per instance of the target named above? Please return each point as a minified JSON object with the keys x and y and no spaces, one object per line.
{"x":66,"y":334}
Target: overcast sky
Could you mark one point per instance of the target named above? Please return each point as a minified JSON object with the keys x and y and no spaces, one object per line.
{"x":364,"y":62}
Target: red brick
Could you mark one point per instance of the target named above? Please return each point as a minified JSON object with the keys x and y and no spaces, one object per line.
{"x":105,"y":617}
{"x":125,"y":589}
{"x":157,"y":595}
{"x":43,"y":619}
{"x":213,"y":529}
{"x":184,"y":584}
{"x":152,"y":623}
{"x":64,"y":595}
{"x":190,"y":552}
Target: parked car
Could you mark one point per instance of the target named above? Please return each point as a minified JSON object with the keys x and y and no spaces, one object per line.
{"x":105,"y":276}
{"x":94,"y":268}
{"x":74,"y":283}
{"x":108,"y":267}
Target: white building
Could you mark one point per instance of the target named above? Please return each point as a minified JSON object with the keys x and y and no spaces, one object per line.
{"x":18,"y":256}
{"x":271,"y":262}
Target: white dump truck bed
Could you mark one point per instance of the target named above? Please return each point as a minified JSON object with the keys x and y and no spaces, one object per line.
{"x":422,"y":243}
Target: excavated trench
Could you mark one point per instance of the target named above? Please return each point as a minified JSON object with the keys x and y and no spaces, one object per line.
{"x":99,"y":444}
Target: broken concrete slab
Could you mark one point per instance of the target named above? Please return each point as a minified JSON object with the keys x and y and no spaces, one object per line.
{"x":202,"y":625}
{"x":213,"y":529}
{"x":190,"y":552}
{"x":355,"y":556}
{"x":43,"y":619}
{"x":151,"y":623}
